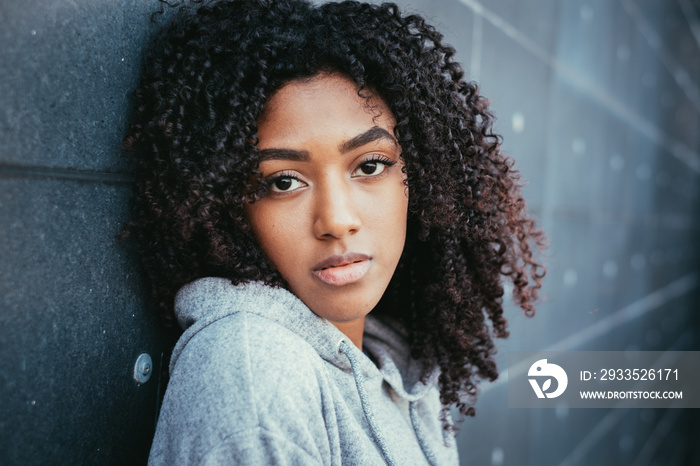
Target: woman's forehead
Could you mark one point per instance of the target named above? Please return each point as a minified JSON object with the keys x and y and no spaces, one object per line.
{"x":318,"y":108}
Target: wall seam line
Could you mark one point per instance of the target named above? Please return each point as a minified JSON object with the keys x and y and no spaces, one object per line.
{"x":65,"y":174}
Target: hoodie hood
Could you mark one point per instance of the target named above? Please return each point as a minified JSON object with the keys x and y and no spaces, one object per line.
{"x":204,"y":301}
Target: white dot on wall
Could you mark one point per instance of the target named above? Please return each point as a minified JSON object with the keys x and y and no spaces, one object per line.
{"x":623,"y":52}
{"x":669,"y":323}
{"x":681,"y":75}
{"x":578,"y":145}
{"x":561,"y":412}
{"x":610,"y":269}
{"x":681,"y":115}
{"x":643,"y":172}
{"x":631,"y":351}
{"x":586,"y":13}
{"x":667,"y":99}
{"x":663,"y":179}
{"x":497,"y":456}
{"x":626,"y":443}
{"x":34,"y":32}
{"x":648,"y":79}
{"x":617,"y":162}
{"x":518,"y":122}
{"x":652,"y":337}
{"x":638,"y":261}
{"x":656,"y":258}
{"x":654,"y":40}
{"x":675,"y":255}
{"x":570,"y":277}
{"x":507,"y":289}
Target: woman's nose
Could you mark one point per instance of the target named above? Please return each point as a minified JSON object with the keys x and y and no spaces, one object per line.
{"x":336,"y":213}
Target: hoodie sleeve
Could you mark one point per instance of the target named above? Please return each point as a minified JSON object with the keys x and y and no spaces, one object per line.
{"x":244,"y":391}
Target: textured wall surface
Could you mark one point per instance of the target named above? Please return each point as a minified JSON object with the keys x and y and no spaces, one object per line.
{"x":72,"y":319}
{"x":597,"y":100}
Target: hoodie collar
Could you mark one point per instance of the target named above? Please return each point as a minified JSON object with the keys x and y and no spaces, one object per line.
{"x":387,"y":342}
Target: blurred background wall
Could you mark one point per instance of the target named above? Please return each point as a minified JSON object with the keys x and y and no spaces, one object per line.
{"x":599,"y":104}
{"x":597,"y":100}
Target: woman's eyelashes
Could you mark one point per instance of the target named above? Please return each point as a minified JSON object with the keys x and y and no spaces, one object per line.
{"x":374,"y":166}
{"x":283,"y":183}
{"x":287,"y":182}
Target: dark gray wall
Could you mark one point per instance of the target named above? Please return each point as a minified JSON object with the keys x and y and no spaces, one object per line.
{"x":72,"y":320}
{"x":597,"y":100}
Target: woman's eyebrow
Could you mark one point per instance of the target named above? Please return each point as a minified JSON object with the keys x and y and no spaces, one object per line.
{"x":373,"y":134}
{"x":284,"y":154}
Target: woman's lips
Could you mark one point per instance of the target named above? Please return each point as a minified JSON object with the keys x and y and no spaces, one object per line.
{"x":342,"y":270}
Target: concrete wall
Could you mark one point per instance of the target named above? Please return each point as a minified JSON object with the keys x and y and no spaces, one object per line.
{"x":72,"y":319}
{"x":597,"y":100}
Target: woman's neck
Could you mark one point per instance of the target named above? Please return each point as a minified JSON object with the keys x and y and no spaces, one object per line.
{"x":353,"y":329}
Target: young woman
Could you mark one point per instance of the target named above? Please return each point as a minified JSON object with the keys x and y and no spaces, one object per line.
{"x":323,"y":208}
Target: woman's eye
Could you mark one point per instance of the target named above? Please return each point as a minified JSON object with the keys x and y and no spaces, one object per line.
{"x":284,"y":184}
{"x":371,"y":168}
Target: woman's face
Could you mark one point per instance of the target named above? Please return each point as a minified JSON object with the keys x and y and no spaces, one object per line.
{"x":334,"y":221}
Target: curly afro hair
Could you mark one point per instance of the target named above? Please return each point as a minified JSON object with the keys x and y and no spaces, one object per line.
{"x":206,"y":79}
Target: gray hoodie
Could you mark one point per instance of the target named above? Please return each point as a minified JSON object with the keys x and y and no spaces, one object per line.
{"x":258,"y":378}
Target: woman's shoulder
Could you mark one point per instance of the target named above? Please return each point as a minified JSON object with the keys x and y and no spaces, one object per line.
{"x":249,"y":325}
{"x":236,"y":325}
{"x":245,"y":349}
{"x":240,"y":377}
